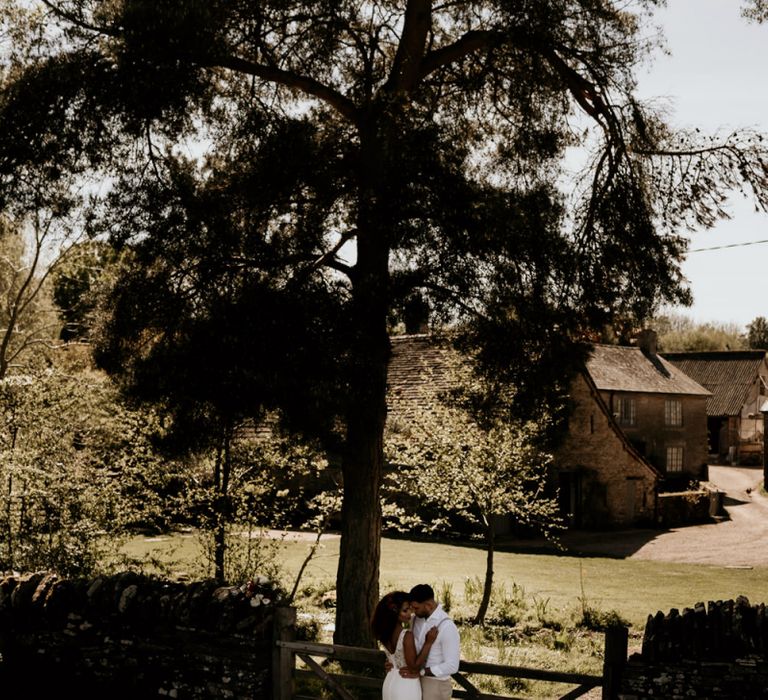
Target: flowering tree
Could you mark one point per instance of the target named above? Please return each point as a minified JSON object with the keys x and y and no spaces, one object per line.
{"x":477,"y":467}
{"x":75,"y":465}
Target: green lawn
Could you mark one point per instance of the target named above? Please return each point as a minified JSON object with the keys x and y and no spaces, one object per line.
{"x":634,"y":588}
{"x":534,"y":619}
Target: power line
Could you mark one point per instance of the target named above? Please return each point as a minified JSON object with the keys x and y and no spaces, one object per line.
{"x":732,"y":245}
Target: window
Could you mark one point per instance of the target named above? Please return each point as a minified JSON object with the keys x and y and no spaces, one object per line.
{"x":673,"y":412}
{"x":626,"y":412}
{"x":674,"y":459}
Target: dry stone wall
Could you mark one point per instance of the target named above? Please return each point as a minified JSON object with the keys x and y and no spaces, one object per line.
{"x":128,"y":636}
{"x":717,"y":651}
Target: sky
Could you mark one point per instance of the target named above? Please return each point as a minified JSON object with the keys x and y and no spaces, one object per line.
{"x":715,"y":79}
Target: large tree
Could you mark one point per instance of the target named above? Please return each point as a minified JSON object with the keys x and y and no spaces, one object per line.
{"x":341,"y":156}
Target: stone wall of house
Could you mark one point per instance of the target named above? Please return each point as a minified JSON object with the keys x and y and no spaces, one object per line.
{"x":717,"y":651}
{"x":616,"y":487}
{"x":751,"y":424}
{"x":128,"y":636}
{"x":652,"y":436}
{"x":687,"y":507}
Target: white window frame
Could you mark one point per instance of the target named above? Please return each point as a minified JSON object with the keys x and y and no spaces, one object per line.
{"x":627,"y":410}
{"x":673,"y":413}
{"x":675,"y":459}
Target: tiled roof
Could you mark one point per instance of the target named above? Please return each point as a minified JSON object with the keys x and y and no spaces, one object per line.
{"x":728,"y":375}
{"x":418,"y":369}
{"x":621,"y":368}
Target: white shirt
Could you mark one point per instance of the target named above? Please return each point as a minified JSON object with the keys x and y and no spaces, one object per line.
{"x":443,"y":658}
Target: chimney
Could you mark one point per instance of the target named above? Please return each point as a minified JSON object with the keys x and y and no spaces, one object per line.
{"x":416,"y":315}
{"x":646,"y":341}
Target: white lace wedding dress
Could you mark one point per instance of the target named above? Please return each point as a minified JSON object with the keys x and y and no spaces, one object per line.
{"x":395,"y":686}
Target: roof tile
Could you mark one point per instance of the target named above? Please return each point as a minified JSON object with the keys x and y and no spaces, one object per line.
{"x":729,"y":375}
{"x":622,"y":368}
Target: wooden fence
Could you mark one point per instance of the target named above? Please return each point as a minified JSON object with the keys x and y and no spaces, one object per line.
{"x":286,"y":650}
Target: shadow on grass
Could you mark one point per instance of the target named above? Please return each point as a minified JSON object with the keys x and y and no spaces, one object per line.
{"x":607,"y":544}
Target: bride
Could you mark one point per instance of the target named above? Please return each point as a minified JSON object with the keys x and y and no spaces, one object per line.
{"x":389,"y":622}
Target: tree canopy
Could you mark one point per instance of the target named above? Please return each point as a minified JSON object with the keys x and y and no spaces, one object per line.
{"x":679,"y":333}
{"x":757,"y":333}
{"x":285,"y":173}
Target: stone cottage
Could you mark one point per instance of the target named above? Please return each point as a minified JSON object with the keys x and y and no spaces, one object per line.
{"x":661,"y":410}
{"x":602,"y":479}
{"x":637,"y":424}
{"x":738,"y":382}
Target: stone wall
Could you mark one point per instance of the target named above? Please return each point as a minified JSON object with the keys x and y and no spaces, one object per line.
{"x":616,"y":486}
{"x":718,"y":651}
{"x":685,"y":507}
{"x":128,"y":636}
{"x":652,"y":435}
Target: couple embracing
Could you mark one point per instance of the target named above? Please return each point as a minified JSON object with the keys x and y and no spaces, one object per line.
{"x":421,"y":643}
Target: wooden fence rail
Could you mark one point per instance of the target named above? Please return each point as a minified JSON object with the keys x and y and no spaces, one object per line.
{"x":286,"y":650}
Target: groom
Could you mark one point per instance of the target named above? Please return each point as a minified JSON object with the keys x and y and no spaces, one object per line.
{"x":443,"y":658}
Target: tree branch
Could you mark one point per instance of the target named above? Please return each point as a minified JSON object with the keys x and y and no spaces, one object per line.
{"x":583,"y":90}
{"x":78,"y":21}
{"x":310,"y":86}
{"x":416,"y":24}
{"x":472,"y":41}
{"x":330,"y":255}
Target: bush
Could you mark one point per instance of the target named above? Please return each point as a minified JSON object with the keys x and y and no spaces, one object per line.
{"x":600,"y":620}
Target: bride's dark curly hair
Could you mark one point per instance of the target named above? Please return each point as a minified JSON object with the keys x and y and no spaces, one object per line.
{"x":386,"y":614}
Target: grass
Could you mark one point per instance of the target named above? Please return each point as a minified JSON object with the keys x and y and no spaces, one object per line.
{"x":634,"y":588}
{"x":545,"y":609}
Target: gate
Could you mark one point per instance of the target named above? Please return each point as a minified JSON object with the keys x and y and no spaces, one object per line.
{"x":287,"y":650}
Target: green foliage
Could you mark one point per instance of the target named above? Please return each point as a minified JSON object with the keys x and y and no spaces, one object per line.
{"x":76,"y":282}
{"x":249,"y":552}
{"x":28,"y":320}
{"x":284,"y":481}
{"x":600,"y":620}
{"x":276,"y":481}
{"x":678,"y":333}
{"x":51,"y":515}
{"x":469,"y":457}
{"x":445,"y":595}
{"x":541,"y":608}
{"x":592,"y":617}
{"x":180,"y":340}
{"x":757,"y":333}
{"x":78,"y":470}
{"x":473,"y":589}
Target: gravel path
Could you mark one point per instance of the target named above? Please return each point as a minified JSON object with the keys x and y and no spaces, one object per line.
{"x":740,"y":540}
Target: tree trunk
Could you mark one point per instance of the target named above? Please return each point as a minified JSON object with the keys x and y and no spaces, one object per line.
{"x":221,"y":504}
{"x":9,"y":562}
{"x":490,"y":541}
{"x":357,"y":581}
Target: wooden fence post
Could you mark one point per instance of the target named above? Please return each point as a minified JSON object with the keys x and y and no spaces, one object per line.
{"x":283,"y":630}
{"x":615,"y":658}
